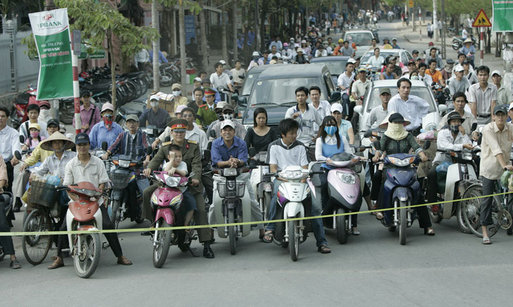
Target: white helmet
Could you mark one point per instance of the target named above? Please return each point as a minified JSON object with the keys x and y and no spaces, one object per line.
{"x":255,"y":53}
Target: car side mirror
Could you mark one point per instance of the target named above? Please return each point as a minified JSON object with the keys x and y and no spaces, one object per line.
{"x":358,"y":109}
{"x":104,"y":146}
{"x":243,"y":101}
{"x":335,"y":96}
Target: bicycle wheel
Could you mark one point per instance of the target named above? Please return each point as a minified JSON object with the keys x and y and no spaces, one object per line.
{"x":471,"y":211}
{"x":36,"y":247}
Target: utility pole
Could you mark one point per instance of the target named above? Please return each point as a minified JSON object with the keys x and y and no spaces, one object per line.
{"x":183,"y":61}
{"x":156,"y":46}
{"x":435,"y":21}
{"x":203,"y":36}
{"x":224,"y":46}
{"x":444,"y":28}
{"x":234,"y":20}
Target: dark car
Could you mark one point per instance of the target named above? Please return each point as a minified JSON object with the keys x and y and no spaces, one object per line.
{"x":249,"y":81}
{"x":336,"y":64}
{"x":274,"y":89}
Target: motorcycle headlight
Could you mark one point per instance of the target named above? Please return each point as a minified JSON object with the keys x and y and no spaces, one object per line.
{"x":172,"y":181}
{"x":347,"y":178}
{"x":124,"y":163}
{"x":176,"y":201}
{"x":467,"y":156}
{"x":229,"y":172}
{"x":154,"y":200}
{"x":291,"y":175}
{"x":401,"y":162}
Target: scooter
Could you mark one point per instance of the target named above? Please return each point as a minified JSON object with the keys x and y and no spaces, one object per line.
{"x":84,"y":214}
{"x":402,"y":188}
{"x":292,"y":194}
{"x":231,"y":204}
{"x":123,"y":177}
{"x":166,"y":200}
{"x":260,"y":180}
{"x":344,"y":193}
{"x":460,"y":182}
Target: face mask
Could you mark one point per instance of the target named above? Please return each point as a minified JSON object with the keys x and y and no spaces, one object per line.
{"x":44,"y":114}
{"x":107,"y":120}
{"x":220,"y":116}
{"x":228,"y":116}
{"x":454,"y":128}
{"x":176,"y":93}
{"x":34,"y":134}
{"x":395,"y":127}
{"x":154,"y":104}
{"x":330,"y":130}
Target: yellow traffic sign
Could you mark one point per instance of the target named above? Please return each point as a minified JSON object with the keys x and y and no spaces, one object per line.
{"x":482,"y":20}
{"x":410,"y":3}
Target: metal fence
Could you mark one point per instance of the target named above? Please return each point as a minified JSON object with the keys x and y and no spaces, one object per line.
{"x":25,"y":70}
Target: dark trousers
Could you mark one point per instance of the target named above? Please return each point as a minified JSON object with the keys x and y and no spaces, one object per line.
{"x":200,"y":215}
{"x":5,"y":242}
{"x":432,"y":182}
{"x":112,"y":238}
{"x":486,"y":203}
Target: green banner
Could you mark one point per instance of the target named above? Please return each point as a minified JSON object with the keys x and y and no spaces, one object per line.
{"x":52,"y":36}
{"x":502,"y":16}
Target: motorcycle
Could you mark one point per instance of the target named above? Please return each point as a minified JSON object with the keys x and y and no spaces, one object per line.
{"x":84,"y":214}
{"x":401,"y":188}
{"x":461,"y":182}
{"x":152,"y":132}
{"x":344,"y":193}
{"x":260,"y":180}
{"x":292,"y":195}
{"x":231,"y":204}
{"x":122,"y":177}
{"x":166,"y":200}
{"x":457,"y":42}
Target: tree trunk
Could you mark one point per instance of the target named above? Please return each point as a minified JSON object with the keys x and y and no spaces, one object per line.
{"x":234,"y":20}
{"x":203,"y":40}
{"x":156,"y":46}
{"x":263,"y":15}
{"x":223,"y":38}
{"x":183,"y":62}
{"x":112,"y":70}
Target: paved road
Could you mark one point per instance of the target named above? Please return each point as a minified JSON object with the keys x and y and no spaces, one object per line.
{"x":449,"y":269}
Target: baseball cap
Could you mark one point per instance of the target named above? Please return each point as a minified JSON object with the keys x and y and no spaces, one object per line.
{"x":351,"y":61}
{"x":44,"y":103}
{"x":500,"y":108}
{"x":82,"y":138}
{"x":496,"y":72}
{"x":180,"y":108}
{"x":197,"y":79}
{"x":384,"y":90}
{"x":220,"y":105}
{"x":458,"y":68}
{"x":176,"y":86}
{"x":132,"y":117}
{"x":336,"y":107}
{"x":34,"y":126}
{"x":222,"y":62}
{"x":154,"y":97}
{"x":362,"y":70}
{"x":52,"y":122}
{"x":107,"y":106}
{"x":412,"y":61}
{"x":228,"y":107}
{"x":227,"y":123}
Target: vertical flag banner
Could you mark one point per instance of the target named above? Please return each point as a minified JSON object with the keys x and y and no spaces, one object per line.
{"x":52,"y":36}
{"x":502,"y":13}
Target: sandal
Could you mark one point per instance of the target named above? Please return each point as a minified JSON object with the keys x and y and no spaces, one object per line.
{"x":487,"y":241}
{"x":429,"y":231}
{"x":379,"y":216}
{"x":268,"y":236}
{"x":324,"y":249}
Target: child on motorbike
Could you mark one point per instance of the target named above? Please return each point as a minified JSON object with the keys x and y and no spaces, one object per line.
{"x":34,"y":137}
{"x":175,"y":166}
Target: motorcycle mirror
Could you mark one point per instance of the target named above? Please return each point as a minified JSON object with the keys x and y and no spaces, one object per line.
{"x":22,"y":139}
{"x":474,"y":126}
{"x":17,"y":154}
{"x":104,"y":146}
{"x":335,"y":96}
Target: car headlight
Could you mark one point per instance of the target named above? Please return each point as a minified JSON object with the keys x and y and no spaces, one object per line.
{"x":124,"y":163}
{"x":172,"y":181}
{"x":347,"y":178}
{"x":401,"y":162}
{"x":291,"y":175}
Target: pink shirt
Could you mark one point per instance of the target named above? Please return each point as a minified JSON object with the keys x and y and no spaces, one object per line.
{"x":85,"y":117}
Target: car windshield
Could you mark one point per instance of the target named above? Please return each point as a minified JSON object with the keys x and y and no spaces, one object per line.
{"x":335,"y":67}
{"x":248,"y":83}
{"x":281,"y":91}
{"x":360,"y":38}
{"x":384,"y":53}
{"x":418,"y":91}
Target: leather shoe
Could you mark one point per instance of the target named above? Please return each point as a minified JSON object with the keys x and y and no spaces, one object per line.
{"x":124,"y":260}
{"x":15,"y":264}
{"x":207,"y":251}
{"x":56,"y":264}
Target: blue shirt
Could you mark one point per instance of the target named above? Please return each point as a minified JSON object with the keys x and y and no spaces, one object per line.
{"x":344,"y":128}
{"x":100,"y":134}
{"x":220,"y":152}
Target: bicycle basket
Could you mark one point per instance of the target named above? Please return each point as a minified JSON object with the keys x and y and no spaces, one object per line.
{"x":42,"y":193}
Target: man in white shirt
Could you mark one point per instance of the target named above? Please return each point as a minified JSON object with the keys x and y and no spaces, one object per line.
{"x":220,"y":79}
{"x":503,"y":94}
{"x":409,"y":106}
{"x":10,"y":140}
{"x":379,"y":113}
{"x":377,"y":60}
{"x":482,"y":96}
{"x":423,"y":76}
{"x":306,"y":116}
{"x":321,"y":106}
{"x":238,"y":74}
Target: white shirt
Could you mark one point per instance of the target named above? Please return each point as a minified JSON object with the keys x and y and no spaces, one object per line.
{"x":376,"y":62}
{"x":53,"y":166}
{"x":93,"y":172}
{"x":427,"y":79}
{"x":413,"y":109}
{"x":283,"y":155}
{"x":221,"y":81}
{"x":319,"y":53}
{"x":9,"y":142}
{"x":344,"y":81}
{"x":237,"y":74}
{"x":376,"y":116}
{"x":307,"y":121}
{"x":482,"y":98}
{"x":445,"y":141}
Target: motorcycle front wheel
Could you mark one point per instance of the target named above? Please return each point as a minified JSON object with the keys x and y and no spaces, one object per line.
{"x":293,"y":229}
{"x":87,"y":254}
{"x":232,"y":232}
{"x":403,"y":223}
{"x":36,"y":247}
{"x":342,"y":226}
{"x":161,"y":243}
{"x":116,"y":213}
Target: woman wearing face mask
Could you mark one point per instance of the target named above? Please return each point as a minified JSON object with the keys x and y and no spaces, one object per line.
{"x":397,"y":140}
{"x":449,"y":138}
{"x":34,"y":138}
{"x":329,"y":143}
{"x":178,"y":99}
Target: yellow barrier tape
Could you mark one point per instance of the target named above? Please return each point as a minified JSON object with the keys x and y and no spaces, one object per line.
{"x":47,"y":233}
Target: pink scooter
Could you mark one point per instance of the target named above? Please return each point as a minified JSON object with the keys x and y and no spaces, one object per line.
{"x":345,"y":186}
{"x":165,"y":200}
